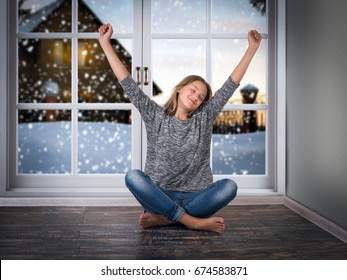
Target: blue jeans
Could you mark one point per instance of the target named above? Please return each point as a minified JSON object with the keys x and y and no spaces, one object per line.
{"x":173,"y":204}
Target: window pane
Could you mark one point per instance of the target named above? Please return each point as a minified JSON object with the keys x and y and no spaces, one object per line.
{"x":181,"y":16}
{"x":238,"y":16}
{"x":238,"y":143}
{"x":119,"y":13}
{"x":96,"y":81}
{"x":44,"y":69}
{"x":226,"y":53}
{"x":44,"y":141}
{"x":173,"y":60}
{"x":104,"y":141}
{"x":44,"y":16}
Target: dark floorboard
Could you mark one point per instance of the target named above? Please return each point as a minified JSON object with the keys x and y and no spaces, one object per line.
{"x":253,"y":232}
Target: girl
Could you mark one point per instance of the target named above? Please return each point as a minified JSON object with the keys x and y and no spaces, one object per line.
{"x":177,"y":185}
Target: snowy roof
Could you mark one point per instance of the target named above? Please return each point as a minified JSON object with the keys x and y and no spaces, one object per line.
{"x":30,"y":21}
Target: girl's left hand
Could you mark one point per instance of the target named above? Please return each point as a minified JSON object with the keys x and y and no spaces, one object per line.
{"x":254,"y":38}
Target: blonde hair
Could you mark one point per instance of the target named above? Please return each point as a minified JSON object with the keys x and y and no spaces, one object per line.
{"x":171,"y":105}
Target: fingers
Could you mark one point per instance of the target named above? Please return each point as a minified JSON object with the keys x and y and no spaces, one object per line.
{"x":255,"y":34}
{"x":104,"y":28}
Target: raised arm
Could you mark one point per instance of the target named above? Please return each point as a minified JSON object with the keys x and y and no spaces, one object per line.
{"x":117,"y":66}
{"x":254,"y":39}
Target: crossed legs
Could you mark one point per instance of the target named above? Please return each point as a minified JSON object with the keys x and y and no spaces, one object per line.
{"x":161,"y":208}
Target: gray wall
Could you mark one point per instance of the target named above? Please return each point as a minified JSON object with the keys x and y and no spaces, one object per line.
{"x":317,"y":106}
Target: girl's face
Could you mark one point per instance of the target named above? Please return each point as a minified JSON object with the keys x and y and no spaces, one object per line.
{"x":191,"y":96}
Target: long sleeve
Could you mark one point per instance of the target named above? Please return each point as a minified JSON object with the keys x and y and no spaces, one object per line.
{"x":146,"y":106}
{"x":221,"y":97}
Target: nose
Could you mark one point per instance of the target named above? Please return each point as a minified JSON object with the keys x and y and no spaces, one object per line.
{"x":195,"y":96}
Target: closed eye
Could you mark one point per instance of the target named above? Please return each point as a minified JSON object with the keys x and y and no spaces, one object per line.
{"x":201,"y":97}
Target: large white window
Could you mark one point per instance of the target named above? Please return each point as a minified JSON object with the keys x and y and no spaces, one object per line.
{"x":208,"y":38}
{"x":72,"y":128}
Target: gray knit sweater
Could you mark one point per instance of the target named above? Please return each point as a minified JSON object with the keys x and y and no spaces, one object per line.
{"x":178,"y":152}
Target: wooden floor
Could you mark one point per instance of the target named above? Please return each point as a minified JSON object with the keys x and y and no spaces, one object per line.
{"x":254,"y":232}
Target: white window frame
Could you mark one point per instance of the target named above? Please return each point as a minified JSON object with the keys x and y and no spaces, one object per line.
{"x":69,"y":184}
{"x":7,"y":189}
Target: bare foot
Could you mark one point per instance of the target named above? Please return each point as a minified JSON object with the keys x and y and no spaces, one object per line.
{"x":153,"y":220}
{"x":214,"y":224}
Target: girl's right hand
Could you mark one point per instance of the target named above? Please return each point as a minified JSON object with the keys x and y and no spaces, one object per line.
{"x":105,"y":33}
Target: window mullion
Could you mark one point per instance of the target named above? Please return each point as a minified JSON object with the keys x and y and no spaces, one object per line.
{"x":55,"y":35}
{"x":74,"y":89}
{"x":208,"y":43}
{"x":209,"y":54}
{"x":246,"y":107}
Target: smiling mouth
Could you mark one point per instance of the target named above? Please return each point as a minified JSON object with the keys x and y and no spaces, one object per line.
{"x":191,"y":101}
